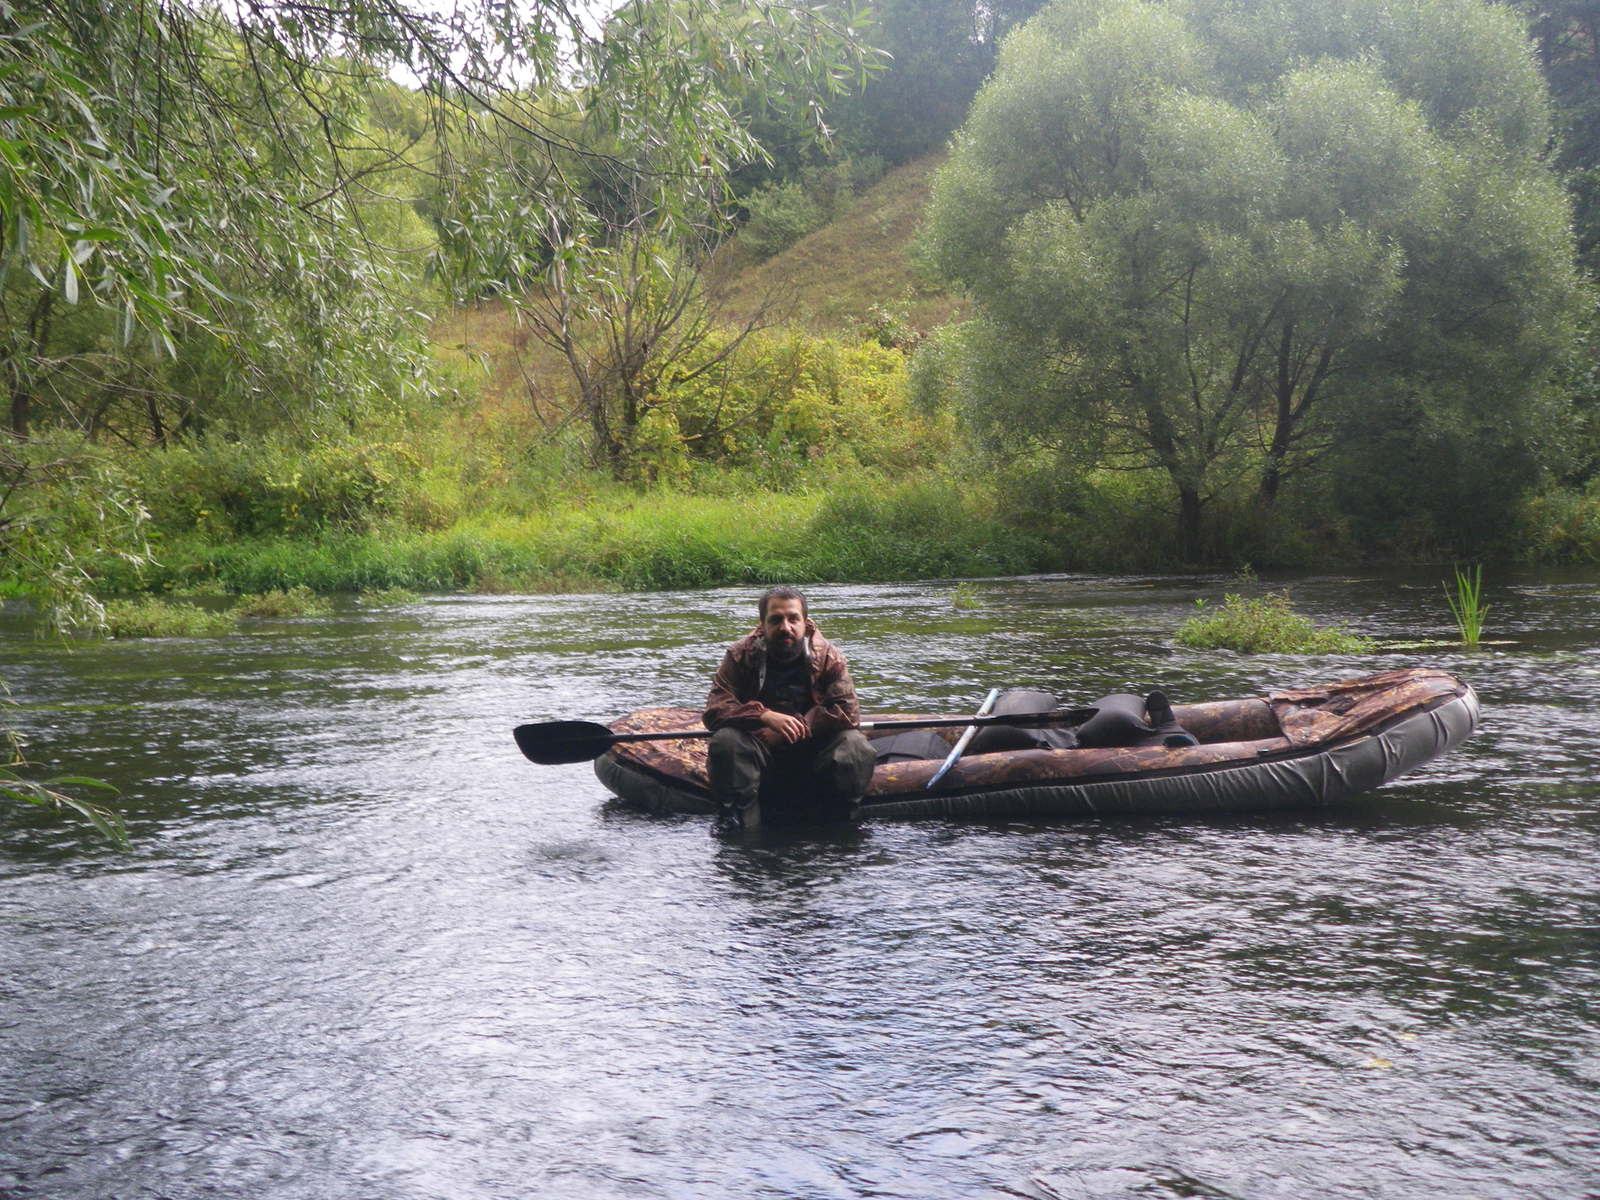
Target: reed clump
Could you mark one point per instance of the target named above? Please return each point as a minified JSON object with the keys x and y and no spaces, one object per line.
{"x":1467,"y":606}
{"x":296,"y":601}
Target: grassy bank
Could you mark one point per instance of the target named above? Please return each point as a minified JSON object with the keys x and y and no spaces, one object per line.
{"x":663,"y":540}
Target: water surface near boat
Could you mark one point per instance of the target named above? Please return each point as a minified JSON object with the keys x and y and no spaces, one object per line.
{"x":361,"y":947}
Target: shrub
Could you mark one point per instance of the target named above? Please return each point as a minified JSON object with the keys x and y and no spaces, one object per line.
{"x":1265,"y":625}
{"x":780,"y":215}
{"x":388,"y":597}
{"x":1561,"y":527}
{"x":889,"y":325}
{"x":274,"y":487}
{"x":780,"y":406}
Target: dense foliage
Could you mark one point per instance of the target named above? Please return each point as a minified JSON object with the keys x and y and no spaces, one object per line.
{"x":1566,"y":35}
{"x":940,"y":51}
{"x":1322,"y":240}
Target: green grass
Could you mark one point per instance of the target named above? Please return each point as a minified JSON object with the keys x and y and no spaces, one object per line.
{"x":295,"y":601}
{"x":1266,"y":625}
{"x":833,"y":279}
{"x":148,"y":617}
{"x":622,"y":540}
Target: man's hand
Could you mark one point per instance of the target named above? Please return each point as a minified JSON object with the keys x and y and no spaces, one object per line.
{"x":787,"y":728}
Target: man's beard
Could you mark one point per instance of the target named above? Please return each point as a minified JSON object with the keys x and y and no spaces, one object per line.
{"x":784,"y":652}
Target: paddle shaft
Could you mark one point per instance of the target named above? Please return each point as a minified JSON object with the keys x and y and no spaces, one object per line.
{"x":930,"y":723}
{"x":961,"y":742}
{"x":555,"y":742}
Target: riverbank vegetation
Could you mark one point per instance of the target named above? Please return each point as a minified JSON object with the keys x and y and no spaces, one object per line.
{"x":636,"y":313}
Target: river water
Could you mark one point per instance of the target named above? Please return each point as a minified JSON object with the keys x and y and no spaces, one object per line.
{"x":361,"y":948}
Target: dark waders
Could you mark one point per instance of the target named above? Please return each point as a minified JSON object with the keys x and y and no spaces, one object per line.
{"x":820,"y":779}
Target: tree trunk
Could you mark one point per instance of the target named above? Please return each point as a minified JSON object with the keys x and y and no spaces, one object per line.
{"x":24,"y":362}
{"x":157,"y":430}
{"x":1283,"y":420}
{"x":21,"y":411}
{"x":1289,"y":415}
{"x":1189,"y":523}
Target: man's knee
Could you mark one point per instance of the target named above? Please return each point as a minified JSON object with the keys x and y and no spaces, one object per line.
{"x":735,"y":762}
{"x":847,"y":764}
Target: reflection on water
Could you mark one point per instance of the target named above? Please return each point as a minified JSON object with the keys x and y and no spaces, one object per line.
{"x":362,"y":948}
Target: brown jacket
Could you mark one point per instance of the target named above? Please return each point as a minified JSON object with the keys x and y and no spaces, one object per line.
{"x":737,"y":686}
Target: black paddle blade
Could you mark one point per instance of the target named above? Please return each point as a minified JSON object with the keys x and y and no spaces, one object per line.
{"x":553,"y":742}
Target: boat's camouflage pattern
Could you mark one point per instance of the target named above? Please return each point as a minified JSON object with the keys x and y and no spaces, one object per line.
{"x":1284,"y":725}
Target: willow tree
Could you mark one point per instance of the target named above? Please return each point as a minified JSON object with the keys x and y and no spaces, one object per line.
{"x":1221,"y":241}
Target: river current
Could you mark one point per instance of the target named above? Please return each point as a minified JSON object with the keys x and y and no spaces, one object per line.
{"x":362,"y":948}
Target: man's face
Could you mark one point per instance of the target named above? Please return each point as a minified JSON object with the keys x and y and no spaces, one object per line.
{"x":784,"y":627}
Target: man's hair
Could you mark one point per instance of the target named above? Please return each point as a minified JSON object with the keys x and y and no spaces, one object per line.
{"x":783,"y":592}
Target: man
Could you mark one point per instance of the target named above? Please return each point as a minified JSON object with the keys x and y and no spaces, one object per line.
{"x":783,"y":708}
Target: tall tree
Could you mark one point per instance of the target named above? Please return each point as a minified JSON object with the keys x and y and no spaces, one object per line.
{"x":1210,"y":244}
{"x":1566,"y":35}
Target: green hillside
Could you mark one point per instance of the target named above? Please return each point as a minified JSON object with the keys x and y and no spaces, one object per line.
{"x":832,"y":279}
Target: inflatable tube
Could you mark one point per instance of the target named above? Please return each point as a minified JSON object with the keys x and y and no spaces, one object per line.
{"x":1303,"y":749}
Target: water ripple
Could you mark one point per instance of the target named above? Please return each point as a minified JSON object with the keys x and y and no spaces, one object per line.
{"x":361,"y":948}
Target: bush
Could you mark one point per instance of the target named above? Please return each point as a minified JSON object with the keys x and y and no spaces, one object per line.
{"x":1560,"y":527}
{"x":67,"y":514}
{"x":783,"y":407}
{"x":1265,"y":625}
{"x":780,"y":215}
{"x":274,"y":487}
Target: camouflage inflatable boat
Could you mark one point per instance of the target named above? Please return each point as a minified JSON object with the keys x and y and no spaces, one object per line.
{"x":1304,"y":748}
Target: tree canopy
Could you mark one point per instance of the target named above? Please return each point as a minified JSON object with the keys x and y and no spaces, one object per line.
{"x":1227,"y":241}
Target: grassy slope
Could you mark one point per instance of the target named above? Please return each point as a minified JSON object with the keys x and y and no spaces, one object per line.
{"x":833,"y":277}
{"x":824,"y":283}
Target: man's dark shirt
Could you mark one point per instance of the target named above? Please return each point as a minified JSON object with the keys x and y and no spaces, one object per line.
{"x":788,"y":686}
